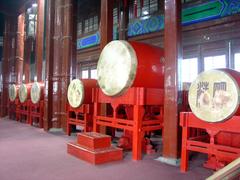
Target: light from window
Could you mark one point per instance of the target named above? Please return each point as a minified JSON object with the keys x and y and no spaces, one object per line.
{"x":95,"y":23}
{"x":90,"y":24}
{"x":115,"y":16}
{"x":79,"y":28}
{"x":189,"y":69}
{"x":146,"y":7}
{"x":214,"y":62}
{"x":93,"y":73}
{"x":86,"y":26}
{"x":85,"y":74}
{"x":237,"y":62}
{"x":153,"y":6}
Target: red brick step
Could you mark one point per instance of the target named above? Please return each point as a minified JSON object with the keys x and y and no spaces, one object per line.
{"x":93,"y":140}
{"x":97,"y":156}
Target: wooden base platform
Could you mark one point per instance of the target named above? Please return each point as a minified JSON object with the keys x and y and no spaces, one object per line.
{"x":94,"y":148}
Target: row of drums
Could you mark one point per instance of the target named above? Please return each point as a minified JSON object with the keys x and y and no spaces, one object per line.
{"x":23,"y":92}
{"x":214,"y":96}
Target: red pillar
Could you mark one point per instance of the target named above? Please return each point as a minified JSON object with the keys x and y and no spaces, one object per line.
{"x":73,"y":66}
{"x":67,"y":41}
{"x":39,"y":39}
{"x":5,"y":65}
{"x":173,"y":54}
{"x":12,"y":50}
{"x":123,"y":19}
{"x":57,"y":64}
{"x":106,"y":34}
{"x":29,"y":42}
{"x":48,"y":89}
{"x":106,"y":25}
{"x":20,"y":48}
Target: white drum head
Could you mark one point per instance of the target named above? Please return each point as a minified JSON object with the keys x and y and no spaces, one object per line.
{"x":75,"y":93}
{"x":23,"y":93}
{"x":35,"y":92}
{"x":116,"y":69}
{"x":12,"y":92}
{"x":214,"y":96}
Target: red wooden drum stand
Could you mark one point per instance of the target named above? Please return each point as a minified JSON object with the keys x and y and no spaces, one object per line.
{"x":220,"y":152}
{"x":131,"y":79}
{"x":81,"y":116}
{"x":13,"y":101}
{"x":23,"y":107}
{"x":36,"y":113}
{"x":22,"y":111}
{"x":12,"y":109}
{"x":214,"y":101}
{"x":143,"y":112}
{"x":80,"y":106}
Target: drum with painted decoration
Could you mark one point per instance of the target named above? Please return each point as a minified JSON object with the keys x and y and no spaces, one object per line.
{"x":24,"y":92}
{"x":12,"y":92}
{"x":214,"y":95}
{"x":125,"y":64}
{"x":37,"y":90}
{"x":80,"y":92}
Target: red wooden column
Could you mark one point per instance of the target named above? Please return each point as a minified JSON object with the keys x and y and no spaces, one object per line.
{"x":12,"y":50}
{"x":27,"y":58}
{"x":106,"y":24}
{"x":20,"y":48}
{"x":67,"y":41}
{"x":73,"y":66}
{"x":48,"y":89}
{"x":5,"y":66}
{"x":106,"y":34}
{"x":40,"y":39}
{"x":123,"y":20}
{"x":173,"y":54}
{"x":57,"y":64}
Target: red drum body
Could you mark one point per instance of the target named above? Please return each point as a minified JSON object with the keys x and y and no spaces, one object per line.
{"x":80,"y":92}
{"x":125,"y":64}
{"x":13,"y":92}
{"x":24,"y":92}
{"x":37,"y":92}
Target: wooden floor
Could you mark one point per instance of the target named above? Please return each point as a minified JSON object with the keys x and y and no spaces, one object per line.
{"x":29,"y":153}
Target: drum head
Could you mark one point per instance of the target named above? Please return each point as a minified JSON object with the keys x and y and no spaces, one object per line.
{"x":75,"y":93}
{"x":12,"y":92}
{"x":214,"y":96}
{"x":35,"y":92}
{"x":116,"y":69}
{"x":23,"y":93}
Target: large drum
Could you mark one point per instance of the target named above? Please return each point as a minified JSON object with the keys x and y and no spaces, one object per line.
{"x":80,"y":92}
{"x":214,"y":95}
{"x":125,"y":64}
{"x":24,"y":92}
{"x":37,"y":94}
{"x":12,"y":92}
